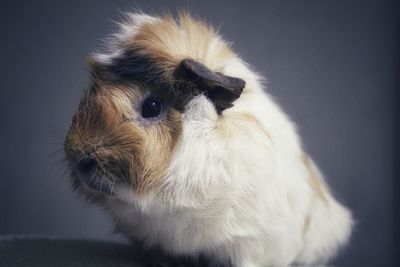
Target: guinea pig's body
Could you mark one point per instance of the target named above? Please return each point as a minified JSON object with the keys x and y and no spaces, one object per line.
{"x":222,"y":174}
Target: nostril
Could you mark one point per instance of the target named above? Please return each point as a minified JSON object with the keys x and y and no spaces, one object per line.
{"x":87,"y":166}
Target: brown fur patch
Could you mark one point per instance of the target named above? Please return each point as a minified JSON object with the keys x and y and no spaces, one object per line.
{"x":250,"y":118}
{"x":159,"y":144}
{"x":313,"y":179}
{"x":242,"y":119}
{"x":106,"y":128}
{"x":167,"y":41}
{"x":306,"y":225}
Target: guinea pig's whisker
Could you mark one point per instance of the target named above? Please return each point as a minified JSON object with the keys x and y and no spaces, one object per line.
{"x":101,"y":185}
{"x":59,"y":151}
{"x":112,"y":187}
{"x":93,"y":179}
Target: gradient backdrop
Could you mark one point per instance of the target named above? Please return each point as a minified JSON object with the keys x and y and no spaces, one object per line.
{"x":332,"y":65}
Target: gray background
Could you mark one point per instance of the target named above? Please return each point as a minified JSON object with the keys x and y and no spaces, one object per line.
{"x":332,"y":65}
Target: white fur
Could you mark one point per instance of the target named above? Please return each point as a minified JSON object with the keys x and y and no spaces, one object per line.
{"x":236,"y":190}
{"x":113,"y":46}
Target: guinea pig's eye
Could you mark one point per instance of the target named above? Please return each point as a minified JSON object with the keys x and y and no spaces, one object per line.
{"x":152,"y":107}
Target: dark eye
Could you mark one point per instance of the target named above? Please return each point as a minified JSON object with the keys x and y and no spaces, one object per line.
{"x":152,"y":107}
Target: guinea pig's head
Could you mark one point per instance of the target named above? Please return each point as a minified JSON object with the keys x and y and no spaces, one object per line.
{"x":131,"y":117}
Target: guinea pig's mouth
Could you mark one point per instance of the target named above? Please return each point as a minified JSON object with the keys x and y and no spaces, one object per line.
{"x":91,"y":174}
{"x":100,"y":184}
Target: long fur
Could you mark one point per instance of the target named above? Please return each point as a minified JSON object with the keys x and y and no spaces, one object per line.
{"x":238,"y":187}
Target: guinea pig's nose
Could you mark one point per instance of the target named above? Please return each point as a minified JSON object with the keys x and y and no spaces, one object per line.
{"x":87,"y":167}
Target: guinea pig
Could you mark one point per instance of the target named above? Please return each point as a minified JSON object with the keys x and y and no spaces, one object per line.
{"x":177,"y":139}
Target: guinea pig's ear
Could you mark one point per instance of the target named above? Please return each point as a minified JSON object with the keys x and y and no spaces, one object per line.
{"x":221,"y":89}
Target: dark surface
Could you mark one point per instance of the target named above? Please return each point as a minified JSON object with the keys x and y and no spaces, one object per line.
{"x":52,"y":252}
{"x":333,"y":65}
{"x":43,"y":252}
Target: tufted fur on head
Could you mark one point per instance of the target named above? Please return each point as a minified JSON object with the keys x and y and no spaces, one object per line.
{"x":177,"y":138}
